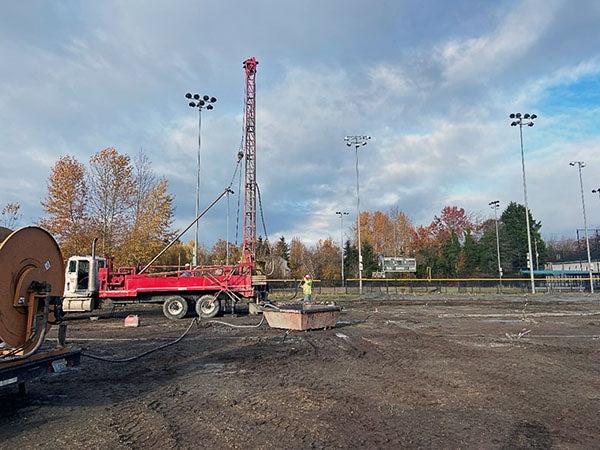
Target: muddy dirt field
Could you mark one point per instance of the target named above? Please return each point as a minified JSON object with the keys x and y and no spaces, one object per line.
{"x":434,"y":372}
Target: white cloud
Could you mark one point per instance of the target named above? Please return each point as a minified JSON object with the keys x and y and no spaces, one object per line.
{"x":436,"y":110}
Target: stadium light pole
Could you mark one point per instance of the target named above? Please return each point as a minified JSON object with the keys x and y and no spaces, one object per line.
{"x":358,"y":141}
{"x":519,"y":120}
{"x":580,"y":165}
{"x":204,"y":102}
{"x":342,"y":214}
{"x":495,"y":205}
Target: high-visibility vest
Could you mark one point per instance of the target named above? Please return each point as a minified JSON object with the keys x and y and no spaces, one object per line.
{"x":307,"y":287}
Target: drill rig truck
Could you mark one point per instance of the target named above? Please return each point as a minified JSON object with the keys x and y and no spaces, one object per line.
{"x":92,"y":282}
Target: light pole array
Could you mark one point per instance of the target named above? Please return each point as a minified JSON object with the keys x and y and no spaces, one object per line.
{"x":342,"y":214}
{"x":358,"y":141}
{"x":495,"y":205}
{"x":580,"y":165}
{"x":519,"y":120}
{"x":204,"y":102}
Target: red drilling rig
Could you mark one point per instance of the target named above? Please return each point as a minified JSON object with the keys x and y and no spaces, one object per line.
{"x":92,"y":281}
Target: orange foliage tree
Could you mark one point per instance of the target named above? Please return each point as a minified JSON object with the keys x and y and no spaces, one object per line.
{"x":66,"y":205}
{"x":122,"y":204}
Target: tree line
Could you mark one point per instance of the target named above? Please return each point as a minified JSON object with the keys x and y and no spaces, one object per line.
{"x":122,"y":202}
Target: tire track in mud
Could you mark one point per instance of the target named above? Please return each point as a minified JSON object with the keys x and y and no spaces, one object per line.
{"x":151,"y":423}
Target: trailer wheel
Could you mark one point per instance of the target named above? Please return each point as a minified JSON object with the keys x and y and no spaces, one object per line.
{"x":175,"y":308}
{"x":208,"y":306}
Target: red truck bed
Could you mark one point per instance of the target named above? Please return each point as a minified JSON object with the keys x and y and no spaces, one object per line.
{"x":125,"y":283}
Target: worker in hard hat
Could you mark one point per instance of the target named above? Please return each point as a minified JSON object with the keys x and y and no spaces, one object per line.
{"x":306,"y":286}
{"x":187,"y":271}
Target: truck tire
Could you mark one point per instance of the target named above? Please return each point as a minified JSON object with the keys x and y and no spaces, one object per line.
{"x":175,"y":307}
{"x":208,"y":306}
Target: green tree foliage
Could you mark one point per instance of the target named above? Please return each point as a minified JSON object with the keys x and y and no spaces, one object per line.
{"x":448,"y":262}
{"x":350,"y":260}
{"x":369,"y":260}
{"x":514,"y":238}
{"x":471,"y":256}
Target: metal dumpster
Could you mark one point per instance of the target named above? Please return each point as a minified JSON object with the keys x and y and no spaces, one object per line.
{"x":301,"y":317}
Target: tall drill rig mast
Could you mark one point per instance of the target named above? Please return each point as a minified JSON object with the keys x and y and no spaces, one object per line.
{"x":249,"y":244}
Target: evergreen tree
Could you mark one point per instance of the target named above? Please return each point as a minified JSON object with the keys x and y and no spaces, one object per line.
{"x":471,"y":256}
{"x":488,"y":251}
{"x":282,"y":249}
{"x":262,"y":248}
{"x":514,"y":238}
{"x":369,"y":260}
{"x":350,"y":260}
{"x":448,"y":263}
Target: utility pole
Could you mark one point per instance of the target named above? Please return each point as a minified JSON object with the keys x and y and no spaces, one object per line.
{"x":520,"y":120}
{"x":201,"y":103}
{"x":342,"y":214}
{"x":357,"y":142}
{"x":581,"y":165}
{"x":495,"y":205}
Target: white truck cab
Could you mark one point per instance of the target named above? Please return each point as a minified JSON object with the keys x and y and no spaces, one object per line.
{"x":81,"y":283}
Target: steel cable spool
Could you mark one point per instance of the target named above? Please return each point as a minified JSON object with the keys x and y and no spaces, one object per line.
{"x":28,"y":256}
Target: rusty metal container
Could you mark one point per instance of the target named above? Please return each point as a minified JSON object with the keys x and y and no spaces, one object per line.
{"x":301,"y":318}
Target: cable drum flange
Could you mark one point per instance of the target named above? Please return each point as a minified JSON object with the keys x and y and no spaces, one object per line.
{"x":27,"y":255}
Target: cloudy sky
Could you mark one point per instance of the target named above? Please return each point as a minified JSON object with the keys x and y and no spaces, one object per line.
{"x":431,"y":81}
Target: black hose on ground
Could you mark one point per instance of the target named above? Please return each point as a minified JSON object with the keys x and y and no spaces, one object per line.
{"x":133,"y":358}
{"x":237,"y":326}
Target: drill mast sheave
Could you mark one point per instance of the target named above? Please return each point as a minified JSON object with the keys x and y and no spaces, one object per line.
{"x":249,"y":244}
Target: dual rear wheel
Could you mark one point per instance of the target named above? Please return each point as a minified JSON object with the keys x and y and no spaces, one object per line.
{"x":176,"y":307}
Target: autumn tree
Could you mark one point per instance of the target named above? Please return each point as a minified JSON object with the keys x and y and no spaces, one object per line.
{"x":402,"y":233}
{"x":221,"y":253}
{"x":390,"y":233}
{"x":112,"y":197}
{"x":151,"y":226}
{"x":126,"y":206}
{"x":10,"y":215}
{"x":178,"y":254}
{"x":144,"y":180}
{"x":300,"y":259}
{"x":66,"y":206}
{"x":327,"y":258}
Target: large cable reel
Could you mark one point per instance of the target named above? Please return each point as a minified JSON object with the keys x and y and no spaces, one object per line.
{"x":31,"y":284}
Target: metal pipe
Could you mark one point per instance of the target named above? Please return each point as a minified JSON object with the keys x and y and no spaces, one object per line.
{"x":186,"y":229}
{"x":195,"y":256}
{"x":530,"y":253}
{"x":360,"y":261}
{"x":580,"y":165}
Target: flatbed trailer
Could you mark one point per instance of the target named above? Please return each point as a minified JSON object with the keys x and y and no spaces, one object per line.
{"x":47,"y":362}
{"x":126,"y":284}
{"x":207,"y":289}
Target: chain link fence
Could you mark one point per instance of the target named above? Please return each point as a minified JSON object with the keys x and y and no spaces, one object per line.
{"x":283,"y":288}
